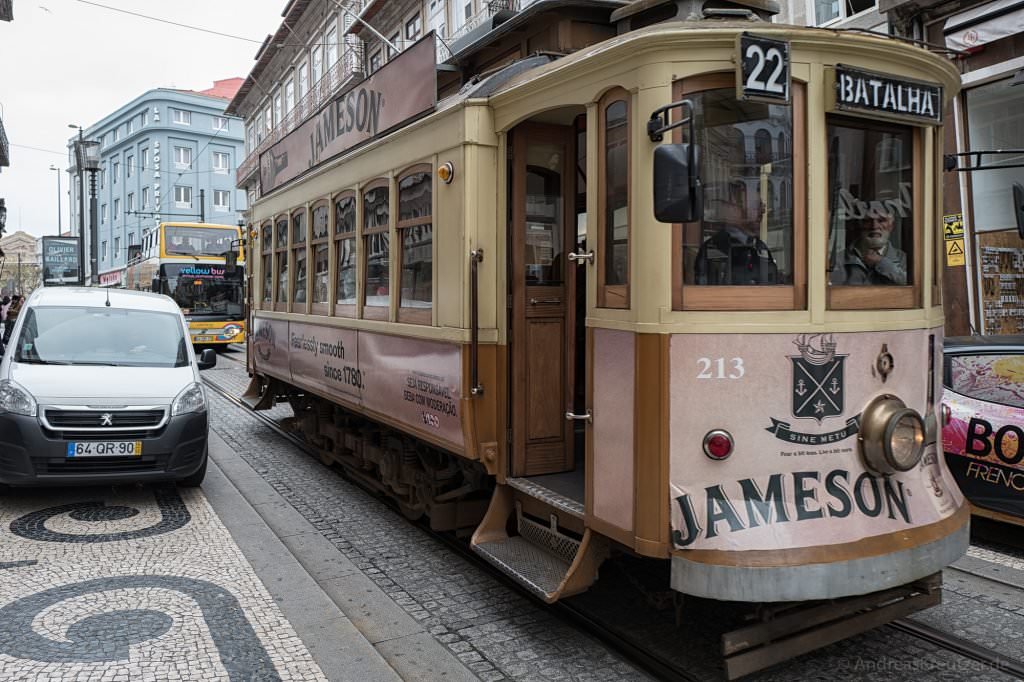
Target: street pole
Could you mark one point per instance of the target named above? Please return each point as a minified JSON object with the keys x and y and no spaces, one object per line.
{"x":60,"y":228}
{"x":19,"y":274}
{"x":202,"y":206}
{"x":92,"y":229}
{"x":81,"y":209}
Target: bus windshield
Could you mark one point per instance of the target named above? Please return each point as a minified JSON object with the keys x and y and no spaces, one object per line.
{"x":198,"y":241}
{"x":203,"y":289}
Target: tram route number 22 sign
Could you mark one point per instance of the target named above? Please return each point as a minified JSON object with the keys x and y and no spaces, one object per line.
{"x":762,"y":72}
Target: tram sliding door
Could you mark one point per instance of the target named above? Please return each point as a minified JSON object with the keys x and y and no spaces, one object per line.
{"x":543,"y":312}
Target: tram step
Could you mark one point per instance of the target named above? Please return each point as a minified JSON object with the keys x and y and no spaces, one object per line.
{"x":541,"y":558}
{"x":258,"y":394}
{"x":560,"y":502}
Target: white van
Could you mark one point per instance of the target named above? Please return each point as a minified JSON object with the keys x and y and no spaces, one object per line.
{"x":101,"y":386}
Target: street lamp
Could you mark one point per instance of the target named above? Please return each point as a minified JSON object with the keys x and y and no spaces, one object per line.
{"x":60,"y":229}
{"x":81,"y":204}
{"x":87,"y":158}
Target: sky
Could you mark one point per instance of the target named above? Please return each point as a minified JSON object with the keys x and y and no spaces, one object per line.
{"x":70,"y":61}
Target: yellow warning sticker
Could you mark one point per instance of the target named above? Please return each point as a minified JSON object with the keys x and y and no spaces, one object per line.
{"x":955,"y":251}
{"x":953,"y":227}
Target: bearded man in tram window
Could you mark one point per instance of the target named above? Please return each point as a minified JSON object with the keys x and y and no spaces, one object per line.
{"x":735,"y":254}
{"x":871,"y":258}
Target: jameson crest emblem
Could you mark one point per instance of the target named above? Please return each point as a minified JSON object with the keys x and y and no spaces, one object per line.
{"x":817,"y":390}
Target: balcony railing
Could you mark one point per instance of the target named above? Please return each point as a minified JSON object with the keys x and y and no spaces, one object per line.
{"x":349,"y":66}
{"x":485,"y":14}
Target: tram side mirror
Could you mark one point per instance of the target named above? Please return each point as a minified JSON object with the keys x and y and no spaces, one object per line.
{"x":230,"y":262}
{"x":1018,"y":208}
{"x":677,"y":191}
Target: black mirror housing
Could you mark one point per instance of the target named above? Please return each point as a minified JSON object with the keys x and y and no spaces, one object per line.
{"x":154,"y":285}
{"x":207,"y":359}
{"x":230,"y":262}
{"x":678,"y":197}
{"x":1018,"y":208}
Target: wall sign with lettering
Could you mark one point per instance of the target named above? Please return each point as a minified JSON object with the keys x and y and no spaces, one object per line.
{"x":763,"y":72}
{"x":874,"y":94}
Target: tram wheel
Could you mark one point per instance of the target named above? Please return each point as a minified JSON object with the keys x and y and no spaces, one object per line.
{"x":409,"y":512}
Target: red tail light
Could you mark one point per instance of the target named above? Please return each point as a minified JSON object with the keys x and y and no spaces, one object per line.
{"x":718,"y":444}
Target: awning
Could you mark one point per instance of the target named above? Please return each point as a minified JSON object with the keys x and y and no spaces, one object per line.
{"x":984,"y":24}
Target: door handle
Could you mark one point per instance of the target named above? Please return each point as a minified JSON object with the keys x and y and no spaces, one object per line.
{"x":580,"y":258}
{"x":586,"y":417}
{"x":545,"y":301}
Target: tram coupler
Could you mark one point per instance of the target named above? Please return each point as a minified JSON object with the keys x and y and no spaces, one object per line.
{"x":787,"y":631}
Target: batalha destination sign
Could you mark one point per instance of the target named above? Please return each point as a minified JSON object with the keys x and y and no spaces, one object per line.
{"x":876,"y":94}
{"x":404,"y":88}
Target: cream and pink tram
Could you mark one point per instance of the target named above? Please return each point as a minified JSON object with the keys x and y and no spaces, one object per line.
{"x":675,"y":294}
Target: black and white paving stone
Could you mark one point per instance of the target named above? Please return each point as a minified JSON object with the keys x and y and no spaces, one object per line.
{"x":134,"y":583}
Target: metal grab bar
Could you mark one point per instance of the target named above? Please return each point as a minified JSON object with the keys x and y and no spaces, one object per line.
{"x":585,"y":417}
{"x":476,"y":256}
{"x":545,"y":301}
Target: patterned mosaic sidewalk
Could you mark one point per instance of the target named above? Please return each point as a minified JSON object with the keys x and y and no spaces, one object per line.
{"x":134,"y":583}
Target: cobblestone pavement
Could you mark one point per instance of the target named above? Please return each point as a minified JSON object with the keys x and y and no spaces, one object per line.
{"x":134,"y":583}
{"x":502,"y":635}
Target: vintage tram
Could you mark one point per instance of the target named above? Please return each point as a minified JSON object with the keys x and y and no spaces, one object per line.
{"x":674,"y":293}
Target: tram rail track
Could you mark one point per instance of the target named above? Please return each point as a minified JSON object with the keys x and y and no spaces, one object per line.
{"x":648,"y":661}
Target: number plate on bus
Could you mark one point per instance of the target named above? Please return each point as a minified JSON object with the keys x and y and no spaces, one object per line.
{"x":105,"y":449}
{"x":200,"y":339}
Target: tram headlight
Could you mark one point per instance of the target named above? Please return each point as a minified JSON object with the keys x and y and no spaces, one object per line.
{"x":892,"y":435}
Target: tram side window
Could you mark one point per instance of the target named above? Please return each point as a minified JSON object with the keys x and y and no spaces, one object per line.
{"x":321,"y":262}
{"x":345,"y":254}
{"x":746,"y":236}
{"x":281,"y":256}
{"x":613,"y":288}
{"x":299,"y":254}
{"x":416,"y":232}
{"x":267,"y":241}
{"x":377,"y":247}
{"x":871,"y":204}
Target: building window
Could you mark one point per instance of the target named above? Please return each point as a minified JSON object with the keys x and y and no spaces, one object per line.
{"x":268,"y":119}
{"x":220,"y":123}
{"x":131,"y":126}
{"x":182,"y":196}
{"x":281,"y":257}
{"x":145,"y":198}
{"x":145,"y":158}
{"x":181,"y":116}
{"x":395,"y":40}
{"x":377,"y":247}
{"x":317,"y":60}
{"x":103,"y":178}
{"x":117,"y":247}
{"x":103,"y":213}
{"x":250,"y":139}
{"x":183,"y":157}
{"x":289,"y":95}
{"x":416,"y":234}
{"x":103,"y":249}
{"x":221,"y":200}
{"x":117,"y":211}
{"x":145,"y":117}
{"x":345,"y":253}
{"x":129,"y":164}
{"x":413,"y":28}
{"x":374,"y":64}
{"x":221,"y":162}
{"x":277,"y":108}
{"x":827,"y":11}
{"x":115,"y":171}
{"x":331,"y":44}
{"x":613,"y":202}
{"x":320,"y":241}
{"x":302,"y":82}
{"x":267,"y":243}
{"x":131,"y":202}
{"x":117,"y":133}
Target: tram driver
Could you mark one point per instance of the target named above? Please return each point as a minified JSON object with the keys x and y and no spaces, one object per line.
{"x":735,"y":254}
{"x":871,"y":258}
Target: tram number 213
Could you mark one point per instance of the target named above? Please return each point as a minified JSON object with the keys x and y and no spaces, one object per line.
{"x":720,"y":368}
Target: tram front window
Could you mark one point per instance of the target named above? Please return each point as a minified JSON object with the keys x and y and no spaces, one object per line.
{"x":203,"y":290}
{"x":871,"y":204}
{"x":746,"y":234}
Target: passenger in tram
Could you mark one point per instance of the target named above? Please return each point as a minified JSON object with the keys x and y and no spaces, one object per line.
{"x":735,"y":254}
{"x":871,"y":258}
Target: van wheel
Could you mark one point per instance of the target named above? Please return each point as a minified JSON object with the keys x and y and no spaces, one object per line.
{"x":195,"y":480}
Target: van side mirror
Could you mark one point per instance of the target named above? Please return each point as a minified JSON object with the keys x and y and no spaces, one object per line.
{"x":207,"y":359}
{"x":678,"y":197}
{"x":1018,"y":208}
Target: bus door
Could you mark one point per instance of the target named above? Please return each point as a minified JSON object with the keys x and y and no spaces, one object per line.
{"x":543,"y":286}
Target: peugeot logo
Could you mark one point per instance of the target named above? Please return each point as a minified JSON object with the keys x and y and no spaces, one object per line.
{"x":107,"y":419}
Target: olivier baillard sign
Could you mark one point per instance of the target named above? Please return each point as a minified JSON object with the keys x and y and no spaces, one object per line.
{"x":403,"y":89}
{"x":875,"y":94}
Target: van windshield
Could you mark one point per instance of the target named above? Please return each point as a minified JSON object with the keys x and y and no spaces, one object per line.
{"x":102,"y":336}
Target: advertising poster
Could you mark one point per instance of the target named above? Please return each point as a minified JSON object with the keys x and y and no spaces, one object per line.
{"x":60,"y":261}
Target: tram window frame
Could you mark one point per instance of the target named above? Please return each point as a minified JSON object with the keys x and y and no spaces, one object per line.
{"x":748,"y":297}
{"x":414,"y":314}
{"x":282,"y":225}
{"x":375,"y":312}
{"x":299,"y":226}
{"x":267,"y":265}
{"x":884,"y":296}
{"x":345,"y":309}
{"x":613,"y":295}
{"x":320,"y":245}
{"x":939,"y":247}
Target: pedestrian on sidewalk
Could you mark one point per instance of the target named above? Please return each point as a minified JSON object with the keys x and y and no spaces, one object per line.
{"x":12,"y":317}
